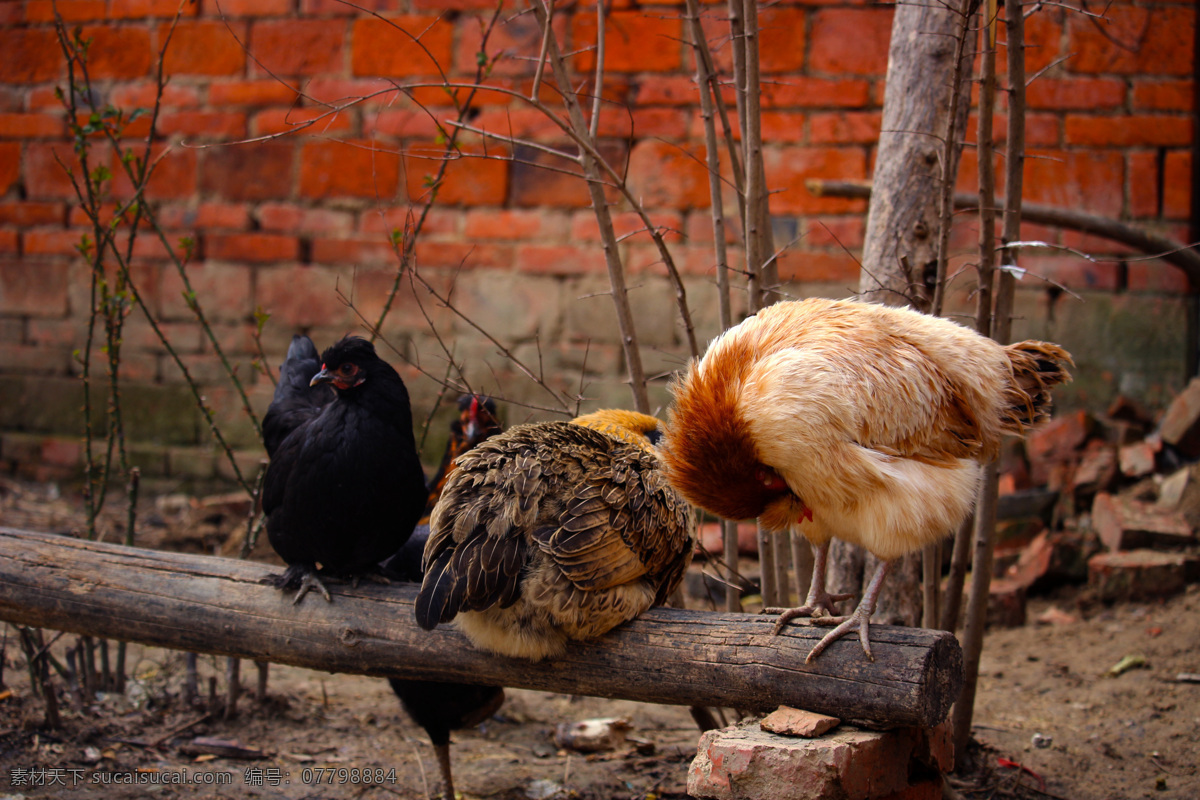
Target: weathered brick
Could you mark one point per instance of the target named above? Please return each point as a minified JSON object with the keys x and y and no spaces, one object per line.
{"x":1128,"y":130}
{"x":250,"y":171}
{"x":10,"y":165}
{"x":539,"y":179}
{"x":352,"y":250}
{"x":223,"y":291}
{"x":791,"y":167}
{"x":51,"y":242}
{"x":256,"y":8}
{"x":711,"y":538}
{"x":301,"y":220}
{"x":1141,"y":574}
{"x":39,"y":291}
{"x":818,"y":267}
{"x":1164,"y":38}
{"x":205,"y":47}
{"x":1124,"y":523}
{"x":845,"y":128}
{"x":805,"y":91}
{"x":1177,"y":185}
{"x":69,"y":10}
{"x":386,"y":47}
{"x":1075,"y":93}
{"x":10,"y":243}
{"x":206,"y":216}
{"x":468,"y":179}
{"x":348,"y":169}
{"x":635,"y":41}
{"x":259,"y":248}
{"x":31,"y":126}
{"x":164,"y":9}
{"x":559,"y":259}
{"x":118,"y":52}
{"x":174,"y":175}
{"x":850,"y":41}
{"x":1076,"y":179}
{"x":788,"y":721}
{"x":1059,"y":439}
{"x":317,"y":121}
{"x":204,"y":124}
{"x":143,"y":94}
{"x":1163,"y":95}
{"x":30,"y":55}
{"x":263,"y":92}
{"x":402,"y":123}
{"x":669,"y":176}
{"x":297,"y":47}
{"x":1180,"y":426}
{"x":513,"y":224}
{"x":778,"y":127}
{"x":1006,"y":604}
{"x":1051,"y":559}
{"x":744,"y":762}
{"x":302,"y":296}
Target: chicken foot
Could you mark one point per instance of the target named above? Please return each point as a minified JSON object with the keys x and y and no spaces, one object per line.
{"x":302,"y":578}
{"x":861,"y":618}
{"x":820,"y":603}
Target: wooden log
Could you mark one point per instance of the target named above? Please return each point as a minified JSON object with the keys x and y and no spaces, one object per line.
{"x":217,"y":605}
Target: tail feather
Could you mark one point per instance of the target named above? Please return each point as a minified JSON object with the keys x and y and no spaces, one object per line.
{"x":433,"y":601}
{"x":1037,"y":368}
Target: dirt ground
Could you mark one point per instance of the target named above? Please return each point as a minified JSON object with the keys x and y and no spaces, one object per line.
{"x":1050,"y":721}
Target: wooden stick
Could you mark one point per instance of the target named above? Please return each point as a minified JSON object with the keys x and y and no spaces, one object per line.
{"x":216,"y":605}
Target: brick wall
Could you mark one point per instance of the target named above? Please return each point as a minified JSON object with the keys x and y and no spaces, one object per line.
{"x":286,"y":223}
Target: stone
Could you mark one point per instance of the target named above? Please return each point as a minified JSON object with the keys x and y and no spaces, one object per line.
{"x":788,"y":721}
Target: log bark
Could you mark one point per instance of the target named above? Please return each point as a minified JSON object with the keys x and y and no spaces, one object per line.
{"x":216,"y":605}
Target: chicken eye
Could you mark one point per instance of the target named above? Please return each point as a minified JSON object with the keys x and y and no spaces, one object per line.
{"x":347,"y":369}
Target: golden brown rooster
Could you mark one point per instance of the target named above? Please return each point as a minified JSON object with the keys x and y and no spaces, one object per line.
{"x":555,"y":531}
{"x":861,"y":421}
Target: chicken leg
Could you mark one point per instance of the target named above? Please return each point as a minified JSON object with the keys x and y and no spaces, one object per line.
{"x":820,"y":603}
{"x":861,"y":618}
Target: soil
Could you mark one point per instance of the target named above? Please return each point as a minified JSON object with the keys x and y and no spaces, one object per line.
{"x":1050,"y":720}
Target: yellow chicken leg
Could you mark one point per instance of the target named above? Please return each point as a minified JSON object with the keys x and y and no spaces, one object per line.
{"x":820,"y":603}
{"x":860,"y":618}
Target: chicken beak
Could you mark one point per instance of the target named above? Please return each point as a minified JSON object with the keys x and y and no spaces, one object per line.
{"x":324,"y":376}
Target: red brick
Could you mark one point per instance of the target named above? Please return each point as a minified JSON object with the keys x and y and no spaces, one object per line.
{"x":778,"y":127}
{"x":850,"y":41}
{"x":205,"y":216}
{"x":1163,"y":96}
{"x":258,"y":248}
{"x":1072,"y":272}
{"x":223,"y":291}
{"x":317,"y":121}
{"x":45,"y":177}
{"x":301,"y":220}
{"x":1006,"y":604}
{"x":174,"y":174}
{"x":1075,"y":93}
{"x":1177,"y":184}
{"x":256,"y":8}
{"x":335,"y":90}
{"x":10,"y":242}
{"x":204,"y":47}
{"x":843,"y":232}
{"x":790,"y":168}
{"x":1060,"y":438}
{"x":1128,"y":130}
{"x":861,"y":127}
{"x":164,"y":9}
{"x":559,"y":259}
{"x":1144,"y":184}
{"x":808,"y":92}
{"x":10,"y":165}
{"x":634,"y":41}
{"x":69,"y":10}
{"x":204,"y":124}
{"x":385,"y":219}
{"x":353,"y":250}
{"x":667,"y":90}
{"x":39,"y":291}
{"x":339,"y":7}
{"x":30,"y":55}
{"x":297,"y":47}
{"x":25,"y":214}
{"x":250,"y":171}
{"x":1076,"y":179}
{"x":460,"y":255}
{"x":1141,"y":574}
{"x":144,"y":94}
{"x":51,"y":242}
{"x":1163,"y":41}
{"x":264,"y":92}
{"x":386,"y":47}
{"x":1157,"y":276}
{"x":1043,"y":37}
{"x":628,"y":226}
{"x":517,"y":35}
{"x":348,"y":169}
{"x":813,"y":267}
{"x":668,"y":176}
{"x":781,"y":39}
{"x":505,"y":224}
{"x":408,"y":123}
{"x":646,"y":123}
{"x":301,"y":296}
{"x":118,"y":52}
{"x":539,"y":179}
{"x":521,"y":123}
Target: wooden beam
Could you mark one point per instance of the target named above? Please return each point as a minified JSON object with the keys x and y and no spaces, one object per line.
{"x":207,"y":604}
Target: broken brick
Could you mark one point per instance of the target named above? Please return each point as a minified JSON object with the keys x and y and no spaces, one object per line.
{"x":1141,"y":574}
{"x":1138,"y":459}
{"x":1051,"y":559}
{"x":1006,"y":604}
{"x":1056,"y":442}
{"x":1123,"y":523}
{"x":788,"y":721}
{"x":1181,"y":423}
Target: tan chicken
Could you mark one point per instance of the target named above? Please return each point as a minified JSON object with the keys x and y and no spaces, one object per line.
{"x":859,"y":421}
{"x":555,"y":531}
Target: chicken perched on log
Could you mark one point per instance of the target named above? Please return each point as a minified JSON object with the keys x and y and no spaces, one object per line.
{"x":344,"y":487}
{"x":555,"y":531}
{"x":860,"y":421}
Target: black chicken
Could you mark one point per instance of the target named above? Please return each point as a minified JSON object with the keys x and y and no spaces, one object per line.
{"x":344,"y":487}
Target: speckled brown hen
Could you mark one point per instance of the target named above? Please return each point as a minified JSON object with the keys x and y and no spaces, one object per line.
{"x":553,"y":532}
{"x":858,"y":421}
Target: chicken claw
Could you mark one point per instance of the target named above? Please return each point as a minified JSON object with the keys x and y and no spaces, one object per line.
{"x":820,"y":603}
{"x":861,"y":618}
{"x":301,"y":578}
